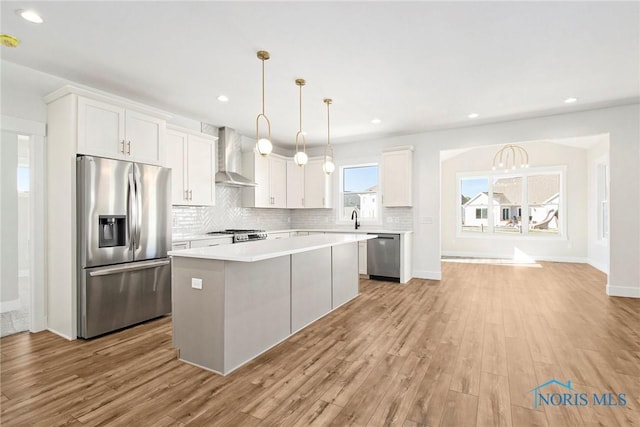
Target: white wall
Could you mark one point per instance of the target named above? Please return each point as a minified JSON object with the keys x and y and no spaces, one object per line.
{"x":571,"y":249}
{"x":9,"y":291}
{"x":597,"y":250}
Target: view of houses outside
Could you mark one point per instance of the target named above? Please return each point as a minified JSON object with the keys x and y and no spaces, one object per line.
{"x":508,"y":204}
{"x":360,"y":190}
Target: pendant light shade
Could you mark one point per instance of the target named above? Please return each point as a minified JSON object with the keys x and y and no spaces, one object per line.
{"x":328,"y":166}
{"x":263,"y":145}
{"x":301,"y":157}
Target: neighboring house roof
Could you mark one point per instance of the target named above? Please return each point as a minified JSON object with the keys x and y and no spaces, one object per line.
{"x":508,"y":191}
{"x":541,"y":188}
{"x":498,"y":198}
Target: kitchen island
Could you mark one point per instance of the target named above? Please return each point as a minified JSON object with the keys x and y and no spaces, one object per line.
{"x":233,"y":302}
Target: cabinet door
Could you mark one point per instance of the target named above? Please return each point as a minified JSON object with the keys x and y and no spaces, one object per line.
{"x":211,"y":242}
{"x":177,"y":161}
{"x":278,"y":182}
{"x":144,"y":136}
{"x":397,"y":178}
{"x":261,"y":175}
{"x":362,"y":257}
{"x":316,"y":185}
{"x":201,"y":169}
{"x":295,"y":185}
{"x":100,"y":129}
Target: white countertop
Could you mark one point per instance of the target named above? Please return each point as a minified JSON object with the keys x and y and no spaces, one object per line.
{"x":344,"y":230}
{"x":265,"y":249}
{"x":187,"y":238}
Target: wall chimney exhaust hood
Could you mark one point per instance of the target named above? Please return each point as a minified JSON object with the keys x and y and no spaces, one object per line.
{"x":230,"y":160}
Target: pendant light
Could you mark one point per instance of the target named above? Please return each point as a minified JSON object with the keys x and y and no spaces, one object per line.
{"x":509,"y":156}
{"x":263,"y":145}
{"x":328,"y":166}
{"x":301,"y":157}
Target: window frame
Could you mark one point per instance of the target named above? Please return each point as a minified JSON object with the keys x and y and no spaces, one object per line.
{"x":341,"y":211}
{"x":491,"y":176}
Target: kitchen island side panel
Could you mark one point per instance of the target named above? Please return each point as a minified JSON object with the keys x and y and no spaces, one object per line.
{"x":257,"y":308}
{"x":310,"y":287}
{"x":198,"y":314}
{"x":344,"y":270}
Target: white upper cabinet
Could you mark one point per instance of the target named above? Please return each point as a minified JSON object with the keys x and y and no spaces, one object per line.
{"x":278,"y":181}
{"x":295,"y":185}
{"x":110,"y":130}
{"x":192,"y":159}
{"x":270,"y":175}
{"x":317,"y":185}
{"x":397,"y":178}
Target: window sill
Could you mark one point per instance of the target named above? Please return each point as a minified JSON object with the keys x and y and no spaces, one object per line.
{"x":519,"y":237}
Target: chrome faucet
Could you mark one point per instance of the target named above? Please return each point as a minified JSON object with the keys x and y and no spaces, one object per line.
{"x":355,"y":212}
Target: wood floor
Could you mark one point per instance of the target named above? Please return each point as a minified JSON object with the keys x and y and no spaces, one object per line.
{"x":461,"y":352}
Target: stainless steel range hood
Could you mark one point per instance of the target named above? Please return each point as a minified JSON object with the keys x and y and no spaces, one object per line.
{"x":230,"y":160}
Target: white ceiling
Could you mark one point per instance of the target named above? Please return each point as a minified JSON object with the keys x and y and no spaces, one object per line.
{"x":416,"y":66}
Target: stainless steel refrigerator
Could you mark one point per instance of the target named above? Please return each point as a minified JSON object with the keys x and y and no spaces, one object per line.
{"x":124,"y":233}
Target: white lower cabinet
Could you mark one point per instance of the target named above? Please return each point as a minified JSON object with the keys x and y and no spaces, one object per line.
{"x":362,"y":257}
{"x":278,"y":235}
{"x":211,"y":242}
{"x":180,"y":245}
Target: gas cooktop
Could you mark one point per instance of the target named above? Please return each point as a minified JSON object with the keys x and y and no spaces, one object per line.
{"x":243,"y":235}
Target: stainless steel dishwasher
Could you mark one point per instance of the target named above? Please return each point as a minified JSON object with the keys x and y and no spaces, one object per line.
{"x":383,"y":257}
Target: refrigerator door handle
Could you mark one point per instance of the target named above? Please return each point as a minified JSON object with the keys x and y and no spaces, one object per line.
{"x":137,"y":266}
{"x":139,"y":209}
{"x":132,"y":211}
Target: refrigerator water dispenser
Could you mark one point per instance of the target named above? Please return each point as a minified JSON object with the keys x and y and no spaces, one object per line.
{"x":112,"y":230}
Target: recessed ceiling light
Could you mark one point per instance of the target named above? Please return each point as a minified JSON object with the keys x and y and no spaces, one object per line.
{"x":223,"y":98}
{"x":570,"y":100}
{"x":473,"y":115}
{"x":376,"y":121}
{"x":30,"y":16}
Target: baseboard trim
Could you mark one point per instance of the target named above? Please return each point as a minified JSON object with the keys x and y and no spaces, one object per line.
{"x":623,"y":291}
{"x":529,"y":258}
{"x":429,"y":275}
{"x":599,"y":266}
{"x":60,"y":334}
{"x":7,"y":306}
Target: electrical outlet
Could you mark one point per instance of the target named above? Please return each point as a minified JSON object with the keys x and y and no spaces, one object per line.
{"x":289,"y":219}
{"x":196,"y":283}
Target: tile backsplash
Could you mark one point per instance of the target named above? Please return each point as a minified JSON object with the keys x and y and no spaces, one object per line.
{"x":229,"y":213}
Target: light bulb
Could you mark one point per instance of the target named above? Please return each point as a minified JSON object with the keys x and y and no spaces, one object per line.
{"x":328,"y":167}
{"x":264,"y":147}
{"x":513,"y":167}
{"x":501,"y":164}
{"x":300,"y":158}
{"x":493,"y":168}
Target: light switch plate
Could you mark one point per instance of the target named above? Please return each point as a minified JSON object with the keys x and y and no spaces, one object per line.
{"x":196,"y":283}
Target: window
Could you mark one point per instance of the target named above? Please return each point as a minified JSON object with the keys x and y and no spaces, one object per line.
{"x":359,"y":190}
{"x":494,"y":203}
{"x":473,"y":204}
